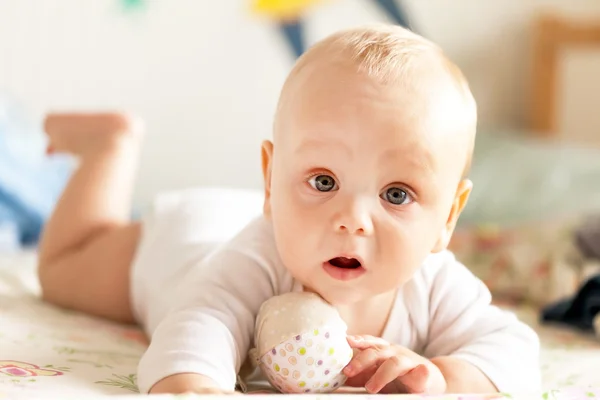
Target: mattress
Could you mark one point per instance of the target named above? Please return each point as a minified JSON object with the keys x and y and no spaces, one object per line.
{"x":50,"y":353}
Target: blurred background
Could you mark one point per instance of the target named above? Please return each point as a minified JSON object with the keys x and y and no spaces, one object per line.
{"x":205,"y":76}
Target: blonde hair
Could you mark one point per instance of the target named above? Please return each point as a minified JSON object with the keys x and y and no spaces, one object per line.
{"x":389,"y":54}
{"x":384,"y":52}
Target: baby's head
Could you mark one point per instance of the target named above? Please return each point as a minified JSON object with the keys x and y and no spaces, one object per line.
{"x":366,"y":174}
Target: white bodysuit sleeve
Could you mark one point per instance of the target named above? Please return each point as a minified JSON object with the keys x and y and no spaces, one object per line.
{"x":464,"y":324}
{"x":210,"y":328}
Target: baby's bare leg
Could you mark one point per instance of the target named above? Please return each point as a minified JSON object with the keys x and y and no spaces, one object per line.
{"x":89,"y":242}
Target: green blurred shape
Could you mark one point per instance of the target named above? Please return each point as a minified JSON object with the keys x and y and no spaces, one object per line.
{"x":133,"y":5}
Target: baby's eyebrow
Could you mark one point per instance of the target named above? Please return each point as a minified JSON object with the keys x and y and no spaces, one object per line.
{"x":310,"y":145}
{"x":418,"y":159}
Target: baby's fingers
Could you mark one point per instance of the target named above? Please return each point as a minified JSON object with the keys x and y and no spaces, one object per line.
{"x":390,"y":370}
{"x":414,"y":381}
{"x":362,"y":361}
{"x":362,"y":342}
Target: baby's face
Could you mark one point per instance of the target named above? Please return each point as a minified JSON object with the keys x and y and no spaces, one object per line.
{"x":365,"y":180}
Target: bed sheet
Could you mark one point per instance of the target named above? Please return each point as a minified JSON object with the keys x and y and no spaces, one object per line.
{"x":50,"y":353}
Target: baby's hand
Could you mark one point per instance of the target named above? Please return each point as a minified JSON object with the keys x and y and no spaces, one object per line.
{"x":382,"y":367}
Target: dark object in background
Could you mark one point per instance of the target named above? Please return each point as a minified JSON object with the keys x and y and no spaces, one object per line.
{"x":587,"y":238}
{"x":578,"y":312}
{"x":293,"y":31}
{"x":394,"y":11}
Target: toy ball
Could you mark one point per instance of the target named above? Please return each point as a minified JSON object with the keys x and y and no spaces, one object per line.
{"x":300,"y":344}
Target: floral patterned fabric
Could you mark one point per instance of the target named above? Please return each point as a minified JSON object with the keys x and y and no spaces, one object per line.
{"x":48,"y":353}
{"x":536,"y":263}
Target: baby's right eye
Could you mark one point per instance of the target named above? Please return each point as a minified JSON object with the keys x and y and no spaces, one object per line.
{"x":323,"y":183}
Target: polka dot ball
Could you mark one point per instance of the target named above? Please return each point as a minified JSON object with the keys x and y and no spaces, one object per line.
{"x":311,"y":362}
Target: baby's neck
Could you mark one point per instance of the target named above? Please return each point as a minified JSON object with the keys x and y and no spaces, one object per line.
{"x":370,"y":316}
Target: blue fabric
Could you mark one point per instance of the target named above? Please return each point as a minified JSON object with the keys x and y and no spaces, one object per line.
{"x":30,"y":183}
{"x":394,"y":11}
{"x":293,"y":32}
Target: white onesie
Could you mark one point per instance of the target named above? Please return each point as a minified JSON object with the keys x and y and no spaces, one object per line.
{"x":207,"y":261}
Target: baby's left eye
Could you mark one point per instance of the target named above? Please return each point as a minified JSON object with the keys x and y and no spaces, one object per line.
{"x":396,"y":196}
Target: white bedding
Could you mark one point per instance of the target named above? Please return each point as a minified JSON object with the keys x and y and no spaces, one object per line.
{"x":49,"y":353}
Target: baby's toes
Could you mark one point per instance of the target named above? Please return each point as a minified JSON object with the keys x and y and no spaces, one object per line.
{"x":67,"y":124}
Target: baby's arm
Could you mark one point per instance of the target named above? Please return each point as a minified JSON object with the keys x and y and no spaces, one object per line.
{"x":201,"y":344}
{"x":187,"y":383}
{"x":478,"y":346}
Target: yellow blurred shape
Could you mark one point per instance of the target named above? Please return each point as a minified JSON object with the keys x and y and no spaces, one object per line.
{"x":284,"y":9}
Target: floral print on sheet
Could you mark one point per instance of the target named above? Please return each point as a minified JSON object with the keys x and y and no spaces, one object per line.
{"x":46,"y":350}
{"x":535,"y":263}
{"x":21,"y":370}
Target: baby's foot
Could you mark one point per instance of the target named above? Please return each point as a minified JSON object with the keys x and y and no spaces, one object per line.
{"x":84,"y":134}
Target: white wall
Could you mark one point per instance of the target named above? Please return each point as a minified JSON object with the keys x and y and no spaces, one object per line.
{"x":578,"y":119}
{"x":206,"y":74}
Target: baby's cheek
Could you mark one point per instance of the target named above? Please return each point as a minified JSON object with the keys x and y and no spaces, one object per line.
{"x":402,"y":250}
{"x":295,"y":249}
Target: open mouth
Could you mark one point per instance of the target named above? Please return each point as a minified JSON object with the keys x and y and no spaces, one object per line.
{"x":346,"y":263}
{"x":344,"y":268}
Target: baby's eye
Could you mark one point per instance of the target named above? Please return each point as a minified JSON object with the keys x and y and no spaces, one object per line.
{"x":396,"y":196}
{"x":323,"y":183}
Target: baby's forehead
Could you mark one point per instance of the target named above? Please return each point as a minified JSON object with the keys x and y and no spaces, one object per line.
{"x":332,"y":117}
{"x":334,"y":94}
{"x":421,"y":77}
{"x":380,"y":75}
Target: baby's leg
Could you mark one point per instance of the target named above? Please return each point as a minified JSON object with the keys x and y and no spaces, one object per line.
{"x":89,"y":242}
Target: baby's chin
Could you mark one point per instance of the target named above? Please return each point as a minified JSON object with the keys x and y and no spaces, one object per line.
{"x":338,"y":297}
{"x":339,"y":293}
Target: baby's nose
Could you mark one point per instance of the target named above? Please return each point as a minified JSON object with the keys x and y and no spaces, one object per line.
{"x":352,"y":229}
{"x":355,"y":220}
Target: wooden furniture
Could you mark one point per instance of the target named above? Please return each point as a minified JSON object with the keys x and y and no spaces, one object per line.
{"x":556,"y":39}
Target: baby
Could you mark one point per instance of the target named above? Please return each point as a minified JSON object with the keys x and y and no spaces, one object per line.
{"x":365,"y":179}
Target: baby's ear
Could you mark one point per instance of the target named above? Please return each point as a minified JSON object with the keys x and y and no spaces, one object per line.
{"x":460,"y":200}
{"x":267,"y":161}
